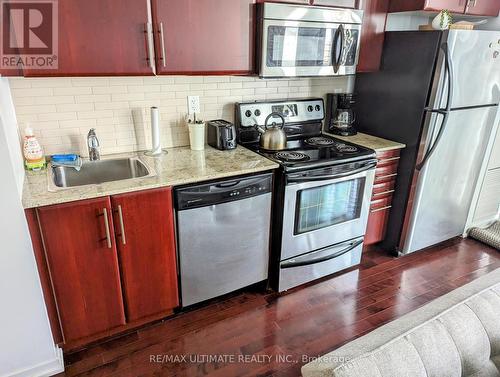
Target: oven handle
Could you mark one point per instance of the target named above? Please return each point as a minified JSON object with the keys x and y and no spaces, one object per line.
{"x":294,"y":263}
{"x":333,"y":176}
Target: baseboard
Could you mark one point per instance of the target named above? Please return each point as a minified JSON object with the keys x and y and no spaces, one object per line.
{"x":45,"y":369}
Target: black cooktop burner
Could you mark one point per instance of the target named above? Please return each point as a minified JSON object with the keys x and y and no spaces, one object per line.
{"x":314,"y":151}
{"x":320,"y":141}
{"x":291,"y":156}
{"x":344,"y":148}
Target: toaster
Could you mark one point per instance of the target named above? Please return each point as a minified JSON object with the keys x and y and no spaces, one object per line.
{"x":221,"y":134}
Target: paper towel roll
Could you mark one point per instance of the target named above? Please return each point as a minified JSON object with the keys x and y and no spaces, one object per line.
{"x":155,"y":132}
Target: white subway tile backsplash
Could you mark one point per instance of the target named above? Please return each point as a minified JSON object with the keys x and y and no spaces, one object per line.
{"x":72,"y":91}
{"x":71,"y":115}
{"x":61,"y":110}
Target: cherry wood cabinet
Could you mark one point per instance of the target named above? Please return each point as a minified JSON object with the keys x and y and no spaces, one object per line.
{"x":100,"y":37}
{"x":204,"y":36}
{"x":144,"y":228}
{"x":483,"y":8}
{"x":83,"y":264}
{"x":106,"y":265}
{"x":455,"y":6}
{"x":383,"y":189}
{"x":470,"y":7}
{"x":372,"y":34}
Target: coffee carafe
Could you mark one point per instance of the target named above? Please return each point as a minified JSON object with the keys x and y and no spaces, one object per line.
{"x":340,"y":114}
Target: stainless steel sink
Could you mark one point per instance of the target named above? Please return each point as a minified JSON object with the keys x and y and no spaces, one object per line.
{"x":95,"y":172}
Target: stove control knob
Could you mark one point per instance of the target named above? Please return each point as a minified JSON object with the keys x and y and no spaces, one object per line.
{"x":257,"y":112}
{"x":317,"y":108}
{"x":309,"y":108}
{"x":248,"y":113}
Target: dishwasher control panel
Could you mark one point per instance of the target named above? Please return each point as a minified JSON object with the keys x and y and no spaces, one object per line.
{"x":223,"y":191}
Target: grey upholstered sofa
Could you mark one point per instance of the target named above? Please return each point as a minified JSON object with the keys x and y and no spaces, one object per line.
{"x":455,"y":335}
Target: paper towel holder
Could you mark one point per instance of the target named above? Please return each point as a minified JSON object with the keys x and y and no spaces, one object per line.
{"x":156,"y":150}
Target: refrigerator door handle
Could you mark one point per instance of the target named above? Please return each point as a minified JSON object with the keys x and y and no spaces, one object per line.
{"x":445,"y":112}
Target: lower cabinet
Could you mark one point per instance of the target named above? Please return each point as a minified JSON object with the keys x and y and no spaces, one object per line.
{"x":383,"y":189}
{"x":110,"y":262}
{"x":144,"y":225}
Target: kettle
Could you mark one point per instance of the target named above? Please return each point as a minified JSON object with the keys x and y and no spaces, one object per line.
{"x":272,"y":138}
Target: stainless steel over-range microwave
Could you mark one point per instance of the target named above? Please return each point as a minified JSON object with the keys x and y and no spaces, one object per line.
{"x":302,"y":41}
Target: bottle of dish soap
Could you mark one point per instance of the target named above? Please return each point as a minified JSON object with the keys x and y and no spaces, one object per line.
{"x":32,"y":151}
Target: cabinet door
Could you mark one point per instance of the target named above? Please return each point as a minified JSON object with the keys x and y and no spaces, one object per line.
{"x":83,"y":265}
{"x":377,"y":225}
{"x":100,"y":37}
{"x":454,"y":6}
{"x":204,"y":36}
{"x":483,"y":7}
{"x":144,"y":225}
{"x":372,"y":35}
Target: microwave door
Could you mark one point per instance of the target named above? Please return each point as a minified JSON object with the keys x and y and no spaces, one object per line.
{"x":295,"y":48}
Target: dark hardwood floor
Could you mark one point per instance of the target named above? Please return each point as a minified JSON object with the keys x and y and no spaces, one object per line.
{"x":305,"y":322}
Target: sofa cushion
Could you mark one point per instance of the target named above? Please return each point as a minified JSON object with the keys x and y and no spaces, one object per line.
{"x":455,"y":335}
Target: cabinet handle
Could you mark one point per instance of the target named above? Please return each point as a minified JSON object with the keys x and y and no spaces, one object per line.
{"x":148,"y":27}
{"x":162,"y":42}
{"x":106,"y":225}
{"x":122,"y":227}
{"x":380,"y":209}
{"x":383,"y":193}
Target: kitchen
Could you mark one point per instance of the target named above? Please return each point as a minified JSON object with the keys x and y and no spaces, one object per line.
{"x":152,"y":237}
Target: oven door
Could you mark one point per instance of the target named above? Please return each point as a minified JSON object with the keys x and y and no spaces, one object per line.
{"x":326,"y":206}
{"x":303,"y":48}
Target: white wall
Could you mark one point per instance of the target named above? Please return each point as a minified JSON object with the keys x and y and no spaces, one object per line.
{"x":406,"y":21}
{"x":26,"y":344}
{"x":8,"y":116}
{"x":492,"y":24}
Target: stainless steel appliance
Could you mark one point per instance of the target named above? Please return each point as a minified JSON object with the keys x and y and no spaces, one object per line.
{"x":272,"y":138}
{"x":437,"y":92}
{"x":322,"y":192}
{"x":298,"y":40}
{"x":223,"y":236}
{"x":221,"y":134}
{"x":340,"y":115}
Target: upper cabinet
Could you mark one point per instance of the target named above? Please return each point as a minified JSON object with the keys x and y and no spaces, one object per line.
{"x":324,"y":3}
{"x":470,"y":7}
{"x":100,"y":37}
{"x":483,"y":7}
{"x":190,"y":37}
{"x":204,"y":36}
{"x":372,"y":34}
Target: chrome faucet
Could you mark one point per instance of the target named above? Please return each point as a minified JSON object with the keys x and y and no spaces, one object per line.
{"x":93,"y":144}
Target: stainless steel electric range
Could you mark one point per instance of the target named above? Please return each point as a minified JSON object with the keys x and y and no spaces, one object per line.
{"x":322,"y":192}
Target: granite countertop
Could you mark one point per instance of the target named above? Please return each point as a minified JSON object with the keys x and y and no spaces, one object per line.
{"x":179,"y":166}
{"x":373,"y":142}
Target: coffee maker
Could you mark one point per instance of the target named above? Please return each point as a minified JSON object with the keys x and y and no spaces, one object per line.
{"x":340,"y":115}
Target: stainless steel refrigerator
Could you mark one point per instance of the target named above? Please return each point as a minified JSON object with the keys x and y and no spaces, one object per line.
{"x":437,"y":92}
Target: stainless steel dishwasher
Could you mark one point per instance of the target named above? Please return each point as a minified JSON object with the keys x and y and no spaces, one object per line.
{"x":223,"y":236}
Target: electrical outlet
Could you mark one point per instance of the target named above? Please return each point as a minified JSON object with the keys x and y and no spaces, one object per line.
{"x":193,"y":104}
